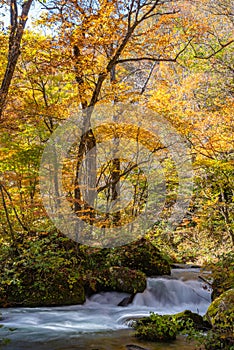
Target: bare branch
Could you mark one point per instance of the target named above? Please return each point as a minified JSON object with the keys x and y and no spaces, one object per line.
{"x":155,"y":59}
{"x":138,"y":59}
{"x":215,"y":52}
{"x":148,"y":79}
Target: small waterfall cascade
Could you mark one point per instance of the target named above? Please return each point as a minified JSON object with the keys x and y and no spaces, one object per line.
{"x":35,"y":328}
{"x":169,"y":295}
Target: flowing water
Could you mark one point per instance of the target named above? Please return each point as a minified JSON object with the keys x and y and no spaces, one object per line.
{"x":100,"y":324}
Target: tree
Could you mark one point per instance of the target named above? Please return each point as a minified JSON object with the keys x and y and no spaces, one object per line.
{"x":197,"y":97}
{"x":117,"y":51}
{"x":17,"y":26}
{"x":38,"y":101}
{"x":106,"y":39}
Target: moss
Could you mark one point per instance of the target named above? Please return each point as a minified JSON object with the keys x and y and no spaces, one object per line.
{"x":50,"y":288}
{"x":156,"y":328}
{"x":221,"y":316}
{"x":121,"y":279}
{"x":165,"y":328}
{"x":221,"y":311}
{"x":143,"y":256}
{"x":197,"y":321}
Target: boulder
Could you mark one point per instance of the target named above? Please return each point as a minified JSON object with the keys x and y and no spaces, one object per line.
{"x":221,"y":316}
{"x":157,"y":328}
{"x":197,"y":321}
{"x":127,"y":300}
{"x":141,"y":255}
{"x":50,"y":288}
{"x":221,"y":312}
{"x":115,"y":278}
{"x":163,"y":328}
{"x":222,"y":274}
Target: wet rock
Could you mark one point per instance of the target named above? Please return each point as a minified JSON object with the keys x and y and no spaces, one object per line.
{"x":127,"y":300}
{"x":134,"y":347}
{"x":184,"y":266}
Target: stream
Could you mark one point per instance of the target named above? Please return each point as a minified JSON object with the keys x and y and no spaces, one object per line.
{"x":100,"y":324}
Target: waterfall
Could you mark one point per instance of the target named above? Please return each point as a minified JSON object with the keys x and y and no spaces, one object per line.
{"x":169,"y":294}
{"x":100,"y":313}
{"x":163,"y":295}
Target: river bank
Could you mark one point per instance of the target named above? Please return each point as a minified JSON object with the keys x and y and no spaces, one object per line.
{"x":112,"y":340}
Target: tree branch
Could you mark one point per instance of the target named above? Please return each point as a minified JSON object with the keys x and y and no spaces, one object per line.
{"x":215,"y":52}
{"x":138,"y":59}
{"x":155,"y":59}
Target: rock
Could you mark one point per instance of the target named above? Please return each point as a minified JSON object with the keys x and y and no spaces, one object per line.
{"x":198,"y":322}
{"x":143,"y":256}
{"x":221,"y":311}
{"x":163,"y":328}
{"x":50,"y":288}
{"x":115,"y":278}
{"x":127,"y":300}
{"x":157,"y":328}
{"x":221,"y":316}
{"x":134,"y":347}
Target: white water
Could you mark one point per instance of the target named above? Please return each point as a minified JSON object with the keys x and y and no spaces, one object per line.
{"x":100,"y":313}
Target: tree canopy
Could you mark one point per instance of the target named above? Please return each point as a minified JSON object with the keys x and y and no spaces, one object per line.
{"x":174,"y":57}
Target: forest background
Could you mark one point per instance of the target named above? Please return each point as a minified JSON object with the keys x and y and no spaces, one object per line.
{"x":173,"y":57}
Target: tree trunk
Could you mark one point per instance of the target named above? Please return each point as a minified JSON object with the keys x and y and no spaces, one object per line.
{"x":16,"y":34}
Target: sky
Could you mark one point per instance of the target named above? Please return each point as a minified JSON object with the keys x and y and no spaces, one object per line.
{"x":33,"y":14}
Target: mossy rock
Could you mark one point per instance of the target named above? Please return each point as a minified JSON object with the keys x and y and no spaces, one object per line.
{"x":221,"y":313}
{"x":143,"y":256}
{"x":164,"y":328}
{"x":196,"y":321}
{"x":96,"y":257}
{"x":221,"y":316}
{"x":115,"y":278}
{"x":50,"y":288}
{"x":156,"y":328}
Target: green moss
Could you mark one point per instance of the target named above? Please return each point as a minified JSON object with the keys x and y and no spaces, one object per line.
{"x":194,"y":320}
{"x":221,"y":312}
{"x":45,"y":270}
{"x":121,"y":279}
{"x":221,"y":316}
{"x":143,"y":256}
{"x":50,"y":288}
{"x":165,"y":328}
{"x":156,"y":328}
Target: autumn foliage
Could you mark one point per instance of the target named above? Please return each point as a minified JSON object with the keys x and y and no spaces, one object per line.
{"x":174,"y":57}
